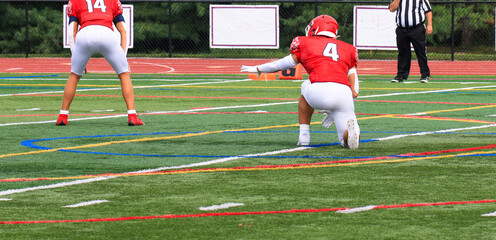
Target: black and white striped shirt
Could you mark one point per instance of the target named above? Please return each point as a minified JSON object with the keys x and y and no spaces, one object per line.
{"x":411,"y":13}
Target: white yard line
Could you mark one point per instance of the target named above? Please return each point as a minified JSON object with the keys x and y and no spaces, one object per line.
{"x":217,"y":108}
{"x":12,"y":191}
{"x":180,"y":111}
{"x":118,"y":88}
{"x":97,"y":179}
{"x":56,"y":185}
{"x":52,"y":121}
{"x":115,"y":79}
{"x":434,"y":132}
{"x":221,"y":206}
{"x":424,"y":92}
{"x":229,"y":107}
{"x":84,"y":204}
{"x":358,"y":209}
{"x":103,"y":110}
{"x":493,"y":214}
{"x":220,"y":160}
{"x":30,"y":109}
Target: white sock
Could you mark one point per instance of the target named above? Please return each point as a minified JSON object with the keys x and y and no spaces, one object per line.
{"x":305,"y":129}
{"x":65,"y":112}
{"x":131,"y":111}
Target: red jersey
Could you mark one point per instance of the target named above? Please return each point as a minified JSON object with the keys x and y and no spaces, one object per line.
{"x":94,"y":12}
{"x":325,"y":59}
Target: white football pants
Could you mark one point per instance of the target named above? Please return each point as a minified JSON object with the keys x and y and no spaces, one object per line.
{"x":98,"y":39}
{"x":331,"y":96}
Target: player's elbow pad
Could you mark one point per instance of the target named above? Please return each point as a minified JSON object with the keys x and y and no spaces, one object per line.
{"x":281,"y":64}
{"x":71,"y":37}
{"x":354,"y":71}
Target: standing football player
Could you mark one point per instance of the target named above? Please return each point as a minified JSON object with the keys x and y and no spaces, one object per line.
{"x":95,"y":35}
{"x":333,"y":81}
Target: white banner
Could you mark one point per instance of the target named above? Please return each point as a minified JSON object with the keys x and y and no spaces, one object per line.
{"x":374,"y":28}
{"x":244,"y":26}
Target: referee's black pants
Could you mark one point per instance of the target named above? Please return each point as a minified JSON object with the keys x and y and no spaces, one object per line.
{"x":415,"y":36}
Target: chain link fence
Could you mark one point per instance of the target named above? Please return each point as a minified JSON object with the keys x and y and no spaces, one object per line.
{"x":463,"y":30}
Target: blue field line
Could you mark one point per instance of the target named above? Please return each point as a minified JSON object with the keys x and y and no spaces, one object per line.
{"x":245,"y":156}
{"x":479,"y":155}
{"x":464,"y":92}
{"x":39,"y":76}
{"x":44,"y":88}
{"x":362,"y":132}
{"x":31,"y":144}
{"x":219,"y":90}
{"x":164,"y":89}
{"x":244,"y":90}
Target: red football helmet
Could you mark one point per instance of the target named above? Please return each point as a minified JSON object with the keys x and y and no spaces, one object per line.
{"x":324,"y":25}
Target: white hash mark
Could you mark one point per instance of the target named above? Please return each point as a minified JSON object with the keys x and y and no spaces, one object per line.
{"x":82,"y":204}
{"x":222,"y":206}
{"x":358,"y":209}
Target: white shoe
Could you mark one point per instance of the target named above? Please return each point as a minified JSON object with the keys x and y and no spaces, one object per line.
{"x":304,"y":140}
{"x":353,"y":134}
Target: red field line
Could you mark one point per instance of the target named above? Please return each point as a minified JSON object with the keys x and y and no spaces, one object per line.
{"x":453,"y":103}
{"x":252,"y":98}
{"x":217,"y":214}
{"x":230,"y":66}
{"x":170,"y":113}
{"x":143,"y":96}
{"x":286,"y":166}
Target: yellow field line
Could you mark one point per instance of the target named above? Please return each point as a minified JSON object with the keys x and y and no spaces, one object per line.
{"x":448,"y":119}
{"x":220,"y":131}
{"x":92,"y":85}
{"x":56,"y":85}
{"x":282,"y":167}
{"x":249,"y":87}
{"x":315,"y":166}
{"x":460,"y":109}
{"x":199,"y":86}
{"x":439,"y":111}
{"x":430,"y":89}
{"x":143,"y":140}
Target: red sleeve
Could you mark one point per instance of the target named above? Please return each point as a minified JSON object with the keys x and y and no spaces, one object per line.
{"x":354,"y":62}
{"x":295,"y":48}
{"x":71,"y":9}
{"x":118,"y":9}
{"x":356,"y":57}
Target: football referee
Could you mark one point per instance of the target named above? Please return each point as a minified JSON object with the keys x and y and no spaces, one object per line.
{"x":410,"y":18}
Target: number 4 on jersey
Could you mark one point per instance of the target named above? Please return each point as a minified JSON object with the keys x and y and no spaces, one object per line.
{"x":331,"y":50}
{"x":98,"y":4}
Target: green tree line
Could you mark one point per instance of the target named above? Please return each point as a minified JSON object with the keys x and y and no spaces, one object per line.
{"x":189,"y":28}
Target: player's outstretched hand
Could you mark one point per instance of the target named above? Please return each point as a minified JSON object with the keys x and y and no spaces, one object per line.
{"x":250,"y":69}
{"x":328,"y":119}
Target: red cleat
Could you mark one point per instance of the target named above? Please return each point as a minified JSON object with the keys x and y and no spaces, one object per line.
{"x":134,"y":120}
{"x":62,"y":120}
